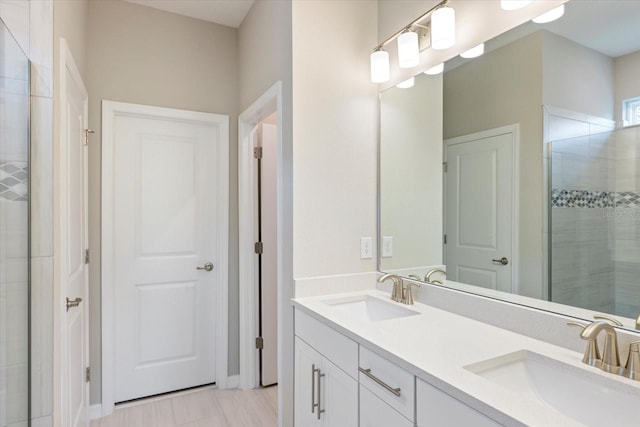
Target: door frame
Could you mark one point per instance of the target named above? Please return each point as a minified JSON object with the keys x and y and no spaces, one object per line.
{"x":268,"y":103}
{"x":110,"y":110}
{"x":514,"y":130}
{"x":60,"y":338}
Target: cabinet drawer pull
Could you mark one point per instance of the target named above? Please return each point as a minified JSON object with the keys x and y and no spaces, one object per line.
{"x":313,"y":388}
{"x":368,"y":373}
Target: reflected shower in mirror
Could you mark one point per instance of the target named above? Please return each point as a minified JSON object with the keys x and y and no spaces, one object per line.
{"x":14,"y":232}
{"x":500,"y":189}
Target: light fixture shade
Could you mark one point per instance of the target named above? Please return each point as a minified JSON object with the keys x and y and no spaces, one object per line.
{"x":474,"y":52}
{"x":379,"y":66}
{"x":407,"y":83}
{"x":550,"y":16}
{"x":408,"y":49}
{"x":436,"y":69}
{"x":443,"y":28}
{"x":513,"y":4}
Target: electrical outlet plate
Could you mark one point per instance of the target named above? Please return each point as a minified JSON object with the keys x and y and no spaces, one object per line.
{"x":387,"y":246}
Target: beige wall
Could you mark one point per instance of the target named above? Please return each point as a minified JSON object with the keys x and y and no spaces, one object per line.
{"x":334,"y":133}
{"x":500,"y":88}
{"x":627,"y":84}
{"x":411,"y":174}
{"x":145,"y":56}
{"x":264,"y":50}
{"x":577,"y":78}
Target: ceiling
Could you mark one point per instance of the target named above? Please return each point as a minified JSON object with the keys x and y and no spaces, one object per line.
{"x":225,"y":12}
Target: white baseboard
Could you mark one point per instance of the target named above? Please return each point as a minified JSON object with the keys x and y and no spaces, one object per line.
{"x":233,"y":381}
{"x":95,"y":411}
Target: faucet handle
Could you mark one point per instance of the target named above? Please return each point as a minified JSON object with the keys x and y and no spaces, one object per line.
{"x":608,"y":319}
{"x":408,"y":296}
{"x":638,"y":322}
{"x":591,"y":352}
{"x":632,"y":368}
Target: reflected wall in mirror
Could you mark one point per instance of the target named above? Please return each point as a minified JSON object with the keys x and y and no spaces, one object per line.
{"x":552,"y":221}
{"x":14,"y":232}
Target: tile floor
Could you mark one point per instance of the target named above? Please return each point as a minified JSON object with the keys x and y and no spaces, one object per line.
{"x":206,"y":407}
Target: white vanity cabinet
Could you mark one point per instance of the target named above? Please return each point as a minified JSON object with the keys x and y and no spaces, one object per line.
{"x":436,"y":408}
{"x":326,"y":366}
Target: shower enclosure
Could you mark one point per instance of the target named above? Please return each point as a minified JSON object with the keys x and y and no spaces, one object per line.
{"x":14,"y":232}
{"x":595,"y":222}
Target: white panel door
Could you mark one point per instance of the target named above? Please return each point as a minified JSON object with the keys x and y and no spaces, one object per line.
{"x":478,"y":210}
{"x":165,"y":234}
{"x":74,"y":271}
{"x":269,"y":258}
{"x":339,"y":404}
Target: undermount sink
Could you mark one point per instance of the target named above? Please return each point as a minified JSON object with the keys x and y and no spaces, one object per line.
{"x":369,"y":309}
{"x":591,"y":399}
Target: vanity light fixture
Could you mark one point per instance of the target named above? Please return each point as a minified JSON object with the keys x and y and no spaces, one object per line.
{"x":513,"y":4}
{"x":408,"y":49}
{"x":550,"y":16}
{"x":436,"y":69}
{"x":407,"y":83}
{"x":474,"y":52}
{"x":379,"y":66}
{"x":442,"y":27}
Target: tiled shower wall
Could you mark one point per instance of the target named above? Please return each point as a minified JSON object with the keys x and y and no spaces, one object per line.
{"x":14,"y":232}
{"x":31,"y":22}
{"x":595,"y":222}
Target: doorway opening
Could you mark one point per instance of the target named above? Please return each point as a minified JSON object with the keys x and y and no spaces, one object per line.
{"x":260,"y":239}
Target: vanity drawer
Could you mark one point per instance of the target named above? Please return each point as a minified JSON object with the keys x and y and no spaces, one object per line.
{"x":384,"y":378}
{"x":376,"y":413}
{"x":334,"y":346}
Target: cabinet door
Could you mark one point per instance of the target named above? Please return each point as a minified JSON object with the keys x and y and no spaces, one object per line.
{"x":339,"y":397}
{"x":436,"y":408}
{"x":374,"y":412}
{"x":307,"y":362}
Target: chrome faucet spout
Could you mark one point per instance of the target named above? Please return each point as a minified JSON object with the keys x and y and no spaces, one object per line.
{"x":427,"y":277}
{"x":610,"y":357}
{"x":397,"y":294}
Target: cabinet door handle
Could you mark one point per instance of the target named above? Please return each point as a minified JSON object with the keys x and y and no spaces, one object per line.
{"x":386,"y":386}
{"x":320,"y":410}
{"x":313,"y":388}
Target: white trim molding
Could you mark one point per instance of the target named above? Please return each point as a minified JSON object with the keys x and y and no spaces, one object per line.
{"x":110,"y":110}
{"x":263,"y":107}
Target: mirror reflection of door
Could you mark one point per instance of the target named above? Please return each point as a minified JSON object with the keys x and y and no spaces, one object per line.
{"x":479,"y":187}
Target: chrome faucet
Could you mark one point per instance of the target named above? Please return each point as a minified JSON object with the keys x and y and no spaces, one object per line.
{"x":610,"y":359}
{"x":427,"y":277}
{"x":397,"y":294}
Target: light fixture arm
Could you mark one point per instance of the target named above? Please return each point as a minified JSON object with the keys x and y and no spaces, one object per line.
{"x":412,"y":24}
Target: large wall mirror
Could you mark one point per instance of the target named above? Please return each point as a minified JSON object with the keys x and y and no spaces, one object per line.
{"x":518,"y":172}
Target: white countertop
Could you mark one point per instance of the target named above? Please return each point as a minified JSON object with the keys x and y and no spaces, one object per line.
{"x":436,"y":345}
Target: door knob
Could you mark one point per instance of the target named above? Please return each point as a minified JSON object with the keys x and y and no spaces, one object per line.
{"x":207,"y":267}
{"x":73,"y":303}
{"x":503,"y":261}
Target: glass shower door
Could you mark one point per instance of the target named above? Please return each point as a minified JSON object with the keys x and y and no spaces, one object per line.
{"x":14,"y":232}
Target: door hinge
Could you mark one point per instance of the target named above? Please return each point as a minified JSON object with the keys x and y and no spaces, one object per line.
{"x":259,"y":343}
{"x":257,"y":152}
{"x":445,"y":167}
{"x":85,"y":139}
{"x":87,"y":374}
{"x":444,"y":239}
{"x":87,"y":258}
{"x":258,"y":248}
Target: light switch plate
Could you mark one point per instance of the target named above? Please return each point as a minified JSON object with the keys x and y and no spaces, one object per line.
{"x":387,"y":246}
{"x":366,"y":247}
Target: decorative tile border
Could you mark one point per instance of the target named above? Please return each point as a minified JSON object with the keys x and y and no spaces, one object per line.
{"x":561,"y":198}
{"x":14,"y":181}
